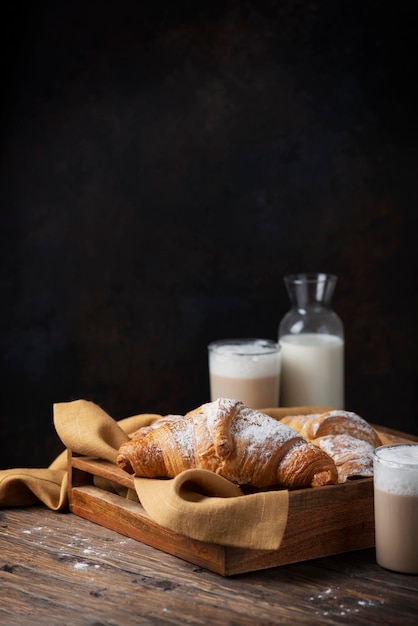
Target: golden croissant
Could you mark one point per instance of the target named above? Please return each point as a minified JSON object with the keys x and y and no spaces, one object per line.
{"x":334,"y":422}
{"x":243,"y":445}
{"x":353,"y":457}
{"x":345,"y":436}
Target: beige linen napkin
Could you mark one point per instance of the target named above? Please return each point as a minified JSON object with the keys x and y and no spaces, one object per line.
{"x":205,"y":506}
{"x":25,"y":486}
{"x":197,"y":503}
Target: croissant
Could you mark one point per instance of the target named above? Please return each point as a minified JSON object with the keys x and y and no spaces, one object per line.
{"x":335,"y":422}
{"x":345,"y":436}
{"x":155,"y":424}
{"x":353,"y":457}
{"x":243,"y":445}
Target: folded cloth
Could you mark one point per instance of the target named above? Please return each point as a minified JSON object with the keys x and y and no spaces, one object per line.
{"x":25,"y":486}
{"x":205,"y":506}
{"x":197,"y":503}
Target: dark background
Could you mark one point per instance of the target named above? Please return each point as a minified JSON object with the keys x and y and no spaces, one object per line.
{"x":164,"y":165}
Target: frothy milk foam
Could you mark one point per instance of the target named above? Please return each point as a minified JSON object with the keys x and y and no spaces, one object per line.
{"x":398,"y":471}
{"x":246,"y":371}
{"x":243,"y":361}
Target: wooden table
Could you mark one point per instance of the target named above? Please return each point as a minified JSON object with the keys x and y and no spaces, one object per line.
{"x":60,"y":569}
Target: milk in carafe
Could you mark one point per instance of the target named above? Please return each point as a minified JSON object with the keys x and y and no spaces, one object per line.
{"x":312,"y":370}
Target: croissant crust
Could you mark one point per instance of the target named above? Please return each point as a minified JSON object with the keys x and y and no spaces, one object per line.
{"x":335,"y":422}
{"x":345,"y":436}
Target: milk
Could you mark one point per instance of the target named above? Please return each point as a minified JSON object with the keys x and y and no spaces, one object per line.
{"x":396,"y":507}
{"x":312,"y":370}
{"x":245,"y":370}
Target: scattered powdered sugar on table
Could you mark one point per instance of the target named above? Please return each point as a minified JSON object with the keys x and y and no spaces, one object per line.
{"x":28,"y":531}
{"x":330,"y":602}
{"x":80,"y":565}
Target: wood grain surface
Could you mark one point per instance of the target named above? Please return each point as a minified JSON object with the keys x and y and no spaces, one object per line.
{"x":59,"y":569}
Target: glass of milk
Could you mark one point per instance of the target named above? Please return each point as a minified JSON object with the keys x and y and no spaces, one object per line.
{"x":247,"y":370}
{"x":311,"y":336}
{"x":396,"y":507}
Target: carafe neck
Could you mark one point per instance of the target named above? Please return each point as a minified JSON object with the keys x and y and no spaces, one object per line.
{"x":310,"y":292}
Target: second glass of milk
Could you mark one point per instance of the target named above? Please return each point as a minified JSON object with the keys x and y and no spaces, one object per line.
{"x":311,"y":336}
{"x":395,"y":469}
{"x":247,"y":370}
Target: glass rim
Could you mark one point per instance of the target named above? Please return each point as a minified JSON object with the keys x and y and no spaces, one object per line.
{"x":270,"y":346}
{"x":394,"y":462}
{"x":310,"y":277}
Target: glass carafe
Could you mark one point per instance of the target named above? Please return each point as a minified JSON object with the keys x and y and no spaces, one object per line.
{"x":311,"y":336}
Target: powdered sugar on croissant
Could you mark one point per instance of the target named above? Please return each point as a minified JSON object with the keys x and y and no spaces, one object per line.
{"x":353,"y":457}
{"x":336,"y":422}
{"x":243,"y":445}
{"x":345,"y":436}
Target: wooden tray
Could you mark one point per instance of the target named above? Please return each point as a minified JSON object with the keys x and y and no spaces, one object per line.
{"x":322,"y":521}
